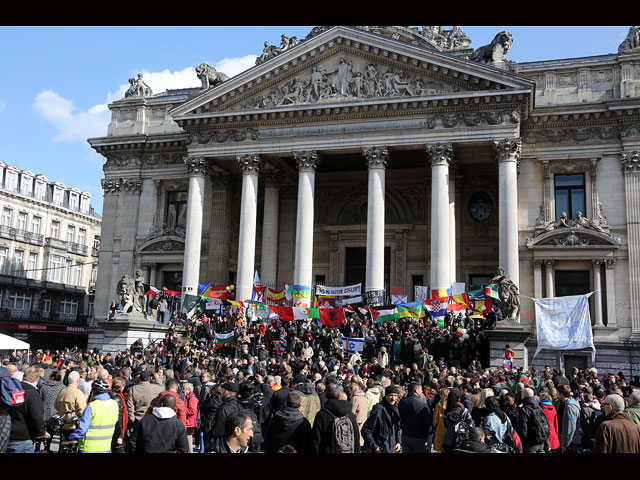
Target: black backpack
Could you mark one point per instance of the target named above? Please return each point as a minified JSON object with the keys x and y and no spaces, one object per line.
{"x":342,"y":434}
{"x":539,"y":426}
{"x":460,"y":433}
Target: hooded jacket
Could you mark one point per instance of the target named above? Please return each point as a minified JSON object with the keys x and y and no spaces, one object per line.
{"x":496,"y":424}
{"x":310,"y":402}
{"x":323,"y":426}
{"x":571,"y":424}
{"x":288,"y":427}
{"x":160,"y":432}
{"x":382,"y":428}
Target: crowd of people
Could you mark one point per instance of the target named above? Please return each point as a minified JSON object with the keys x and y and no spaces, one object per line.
{"x":284,"y":387}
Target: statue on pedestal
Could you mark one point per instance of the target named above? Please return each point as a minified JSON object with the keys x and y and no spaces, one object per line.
{"x":131,"y":294}
{"x":509,"y":296}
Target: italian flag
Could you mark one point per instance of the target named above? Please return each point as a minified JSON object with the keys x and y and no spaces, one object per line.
{"x":225,"y":338}
{"x":384,"y":315}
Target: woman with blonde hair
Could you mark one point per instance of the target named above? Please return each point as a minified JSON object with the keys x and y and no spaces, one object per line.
{"x":438,"y":411}
{"x":480,"y":410}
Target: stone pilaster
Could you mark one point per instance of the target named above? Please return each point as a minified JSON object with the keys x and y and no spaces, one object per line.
{"x":597,"y":291}
{"x":550,"y":278}
{"x":376,"y":158}
{"x":250,"y":166}
{"x":631,"y":169}
{"x":440,"y":156}
{"x":537,"y":278}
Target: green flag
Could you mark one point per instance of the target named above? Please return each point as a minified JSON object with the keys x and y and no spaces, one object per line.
{"x":189,"y":302}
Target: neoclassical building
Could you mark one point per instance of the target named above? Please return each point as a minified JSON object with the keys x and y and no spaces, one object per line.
{"x":394,"y":157}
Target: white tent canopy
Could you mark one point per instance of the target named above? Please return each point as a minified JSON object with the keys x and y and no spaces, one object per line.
{"x":10,"y":343}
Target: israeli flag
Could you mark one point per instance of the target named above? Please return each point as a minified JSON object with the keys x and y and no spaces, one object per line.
{"x":352,"y":345}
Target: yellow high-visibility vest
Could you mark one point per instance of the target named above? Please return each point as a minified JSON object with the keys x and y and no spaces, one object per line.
{"x":103,"y":424}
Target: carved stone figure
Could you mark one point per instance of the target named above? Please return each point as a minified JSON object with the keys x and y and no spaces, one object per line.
{"x":138,"y":88}
{"x":495,"y":51}
{"x":509,"y":296}
{"x":126,"y":293}
{"x":209,"y":76}
{"x":270,"y":51}
{"x":139,"y":297}
{"x":584,"y":222}
{"x":632,"y":41}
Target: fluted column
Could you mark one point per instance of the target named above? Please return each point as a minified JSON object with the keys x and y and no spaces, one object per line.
{"x":440,"y":156}
{"x":250,"y":166}
{"x":597,"y":291}
{"x":269,"y":255}
{"x":610,"y":279}
{"x":548,"y":267}
{"x":508,"y":153}
{"x":197,"y":167}
{"x":631,"y":169}
{"x":537,"y":278}
{"x":222,"y":184}
{"x":307,"y":161}
{"x":376,"y":158}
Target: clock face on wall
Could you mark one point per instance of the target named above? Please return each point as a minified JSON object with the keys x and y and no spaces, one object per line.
{"x":480,"y":206}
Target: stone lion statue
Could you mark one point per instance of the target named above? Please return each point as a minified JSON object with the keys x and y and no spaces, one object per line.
{"x":495,"y":51}
{"x":126,"y":290}
{"x":509,"y":296}
{"x":209,"y":76}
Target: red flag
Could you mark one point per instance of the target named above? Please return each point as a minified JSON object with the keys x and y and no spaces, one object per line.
{"x":285,"y":313}
{"x":170,"y":292}
{"x":332,"y":316}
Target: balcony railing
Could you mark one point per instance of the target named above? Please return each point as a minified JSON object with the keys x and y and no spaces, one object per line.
{"x":77,"y":248}
{"x":21,"y":235}
{"x":37,"y":316}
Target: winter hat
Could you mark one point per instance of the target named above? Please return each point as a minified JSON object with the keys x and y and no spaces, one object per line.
{"x":390,"y":390}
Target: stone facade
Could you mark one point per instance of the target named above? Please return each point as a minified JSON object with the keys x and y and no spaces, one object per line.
{"x":394,"y":155}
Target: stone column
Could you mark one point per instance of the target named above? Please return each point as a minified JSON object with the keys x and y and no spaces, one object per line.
{"x":307,"y":161}
{"x":452,"y":221}
{"x":610,"y":279}
{"x":250,"y":166}
{"x":537,"y":278}
{"x":548,"y":268}
{"x":218,"y":264}
{"x":440,"y":155}
{"x":197,"y":167}
{"x":377,"y":158}
{"x":508,"y":153}
{"x":269,"y":256}
{"x":631,"y":169}
{"x":597,"y":294}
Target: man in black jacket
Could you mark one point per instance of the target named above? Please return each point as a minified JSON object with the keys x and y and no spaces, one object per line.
{"x":381,"y":431}
{"x":415,"y":420}
{"x":288,"y":427}
{"x":161,"y":431}
{"x":27,"y":419}
{"x":230,"y":404}
{"x":322,"y":440}
{"x":524,"y":425}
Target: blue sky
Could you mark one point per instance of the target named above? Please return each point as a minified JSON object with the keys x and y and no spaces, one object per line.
{"x":57,"y":81}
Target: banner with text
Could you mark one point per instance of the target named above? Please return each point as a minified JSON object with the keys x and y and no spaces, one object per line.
{"x":350,"y":291}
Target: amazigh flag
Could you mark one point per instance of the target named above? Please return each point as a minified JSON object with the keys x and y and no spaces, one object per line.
{"x":285,"y":313}
{"x":149,"y":290}
{"x":225,"y":338}
{"x":304,"y":313}
{"x":382,"y":314}
{"x":170,"y":292}
{"x":331,"y":316}
{"x":411,"y":310}
{"x":275,"y":295}
{"x":300,"y":292}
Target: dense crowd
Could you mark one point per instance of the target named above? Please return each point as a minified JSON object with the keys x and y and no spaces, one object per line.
{"x":416,"y":387}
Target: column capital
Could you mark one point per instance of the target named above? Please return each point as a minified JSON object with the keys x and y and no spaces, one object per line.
{"x":250,"y":163}
{"x":376,"y":157}
{"x":610,"y":262}
{"x":440,"y":153}
{"x":538,"y":262}
{"x":508,"y":150}
{"x":630,"y":161}
{"x":597,"y":261}
{"x":307,"y":160}
{"x":549,"y":262}
{"x":196,"y":165}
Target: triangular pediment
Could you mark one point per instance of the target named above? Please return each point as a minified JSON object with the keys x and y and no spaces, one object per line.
{"x":344,"y":66}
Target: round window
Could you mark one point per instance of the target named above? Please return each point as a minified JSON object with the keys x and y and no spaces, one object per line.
{"x":480,"y":206}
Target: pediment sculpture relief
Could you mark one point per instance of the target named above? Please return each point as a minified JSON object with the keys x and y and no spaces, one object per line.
{"x":325,"y":83}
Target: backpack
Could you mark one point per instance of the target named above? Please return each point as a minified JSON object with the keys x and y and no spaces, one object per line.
{"x":512,"y":439}
{"x":342,"y":434}
{"x":11,"y":392}
{"x":539,"y":426}
{"x":460,"y":433}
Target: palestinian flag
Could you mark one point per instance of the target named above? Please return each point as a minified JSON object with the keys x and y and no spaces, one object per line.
{"x":411,"y":310}
{"x":331,"y":316}
{"x":381,"y":315}
{"x":225,"y":338}
{"x":149,"y":290}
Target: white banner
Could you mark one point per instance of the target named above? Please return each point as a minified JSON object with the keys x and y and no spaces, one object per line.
{"x":563,"y":323}
{"x":348,"y":301}
{"x":350,"y":291}
{"x":421,"y":293}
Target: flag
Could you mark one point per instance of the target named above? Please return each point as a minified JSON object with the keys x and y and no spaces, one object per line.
{"x":258,"y":293}
{"x":301,"y":295}
{"x":285,"y":313}
{"x":149,"y":290}
{"x":352,"y":345}
{"x":461,"y":299}
{"x":170,"y":292}
{"x":189,"y":302}
{"x":441,"y":292}
{"x":202,"y":287}
{"x":382,"y":314}
{"x":275,"y":295}
{"x":411,"y":310}
{"x":278,"y":346}
{"x":491,"y":290}
{"x":437,"y":307}
{"x":234,"y":303}
{"x":225,"y":338}
{"x":331,"y":316}
{"x":288,"y":291}
{"x":398,"y":299}
{"x":219,"y":292}
{"x":325,"y":301}
{"x":304,"y":313}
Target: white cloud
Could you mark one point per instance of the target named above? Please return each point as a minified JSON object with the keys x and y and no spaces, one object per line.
{"x":75,"y":125}
{"x":2,"y":105}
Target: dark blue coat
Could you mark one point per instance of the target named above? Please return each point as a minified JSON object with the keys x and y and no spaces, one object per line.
{"x":415,"y":417}
{"x":381,"y":430}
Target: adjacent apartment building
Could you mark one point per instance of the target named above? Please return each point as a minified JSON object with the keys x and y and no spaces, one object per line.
{"x":49,"y":242}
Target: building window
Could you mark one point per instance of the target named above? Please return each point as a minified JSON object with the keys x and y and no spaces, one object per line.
{"x":176,"y":210}
{"x":69,"y":307}
{"x":11,"y":182}
{"x":570,"y":194}
{"x":320,"y":279}
{"x":82,"y":236}
{"x":32,"y":265}
{"x":66,"y":273}
{"x":73,"y":201}
{"x":17,"y":266}
{"x":84,"y":204}
{"x":21,"y":223}
{"x":19,"y":301}
{"x":71,"y":234}
{"x":56,"y":267}
{"x":46,"y":305}
{"x":5,"y":220}
{"x":4,"y":254}
{"x":58,"y":195}
{"x":76,"y":274}
{"x":40,"y":190}
{"x":25,"y":185}
{"x":55,"y":229}
{"x":35,"y":225}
